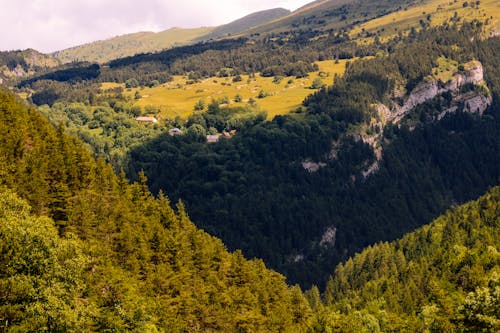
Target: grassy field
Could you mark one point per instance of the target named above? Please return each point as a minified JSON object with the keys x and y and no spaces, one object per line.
{"x":177,"y":98}
{"x":434,"y":12}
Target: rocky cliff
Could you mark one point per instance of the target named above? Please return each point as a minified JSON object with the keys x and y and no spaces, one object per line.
{"x":431,"y":87}
{"x":468,"y":92}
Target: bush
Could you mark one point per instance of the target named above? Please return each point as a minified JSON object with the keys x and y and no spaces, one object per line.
{"x":132,"y":83}
{"x":200,"y":105}
{"x":317,"y":83}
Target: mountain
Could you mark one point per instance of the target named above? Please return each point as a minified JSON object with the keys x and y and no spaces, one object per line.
{"x":84,"y":250}
{"x":410,"y":129}
{"x":130,"y":44}
{"x":326,"y":15}
{"x":245,"y":23}
{"x":382,"y":18}
{"x":146,"y":42}
{"x":310,"y":189}
{"x":21,"y":64}
{"x":401,"y":124}
{"x":441,"y":277}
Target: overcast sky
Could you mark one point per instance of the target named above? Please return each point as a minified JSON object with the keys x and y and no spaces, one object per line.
{"x":51,"y":25}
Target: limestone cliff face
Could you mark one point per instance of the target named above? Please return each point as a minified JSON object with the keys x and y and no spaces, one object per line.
{"x":469,"y":100}
{"x":430,"y":88}
{"x":474,"y":101}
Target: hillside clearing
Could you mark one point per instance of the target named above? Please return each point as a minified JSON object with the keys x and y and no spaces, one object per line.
{"x":433,"y":13}
{"x":178,"y":98}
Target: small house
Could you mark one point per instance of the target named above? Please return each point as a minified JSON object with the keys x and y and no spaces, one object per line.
{"x":147,"y":119}
{"x":174,"y":131}
{"x":213,"y":138}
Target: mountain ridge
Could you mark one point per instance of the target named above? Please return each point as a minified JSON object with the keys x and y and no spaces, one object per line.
{"x":146,"y":42}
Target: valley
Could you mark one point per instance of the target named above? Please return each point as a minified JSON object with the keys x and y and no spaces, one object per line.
{"x":329,"y":169}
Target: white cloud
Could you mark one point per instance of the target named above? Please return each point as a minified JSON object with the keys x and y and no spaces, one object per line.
{"x":50,"y":25}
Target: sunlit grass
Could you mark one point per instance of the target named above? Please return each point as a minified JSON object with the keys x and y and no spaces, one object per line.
{"x":433,"y":13}
{"x":177,"y":98}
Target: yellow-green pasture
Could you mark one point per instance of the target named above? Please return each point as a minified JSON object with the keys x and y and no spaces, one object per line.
{"x":434,"y":12}
{"x":177,"y":98}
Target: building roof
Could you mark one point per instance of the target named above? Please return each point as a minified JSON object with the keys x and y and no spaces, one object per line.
{"x":147,"y":119}
{"x":213,"y":138}
{"x":174,"y":131}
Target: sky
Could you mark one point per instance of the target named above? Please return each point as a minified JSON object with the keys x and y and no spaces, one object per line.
{"x":52,"y":25}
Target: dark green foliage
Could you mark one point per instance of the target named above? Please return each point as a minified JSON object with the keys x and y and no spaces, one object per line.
{"x":112,"y":257}
{"x":252,"y":191}
{"x":49,"y":92}
{"x":442,"y":277}
{"x":82,"y":72}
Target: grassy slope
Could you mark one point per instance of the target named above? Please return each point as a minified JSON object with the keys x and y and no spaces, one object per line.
{"x":145,"y":42}
{"x":325,"y":15}
{"x":178,"y":99}
{"x":128,"y":45}
{"x":247,"y":22}
{"x":440,"y":12}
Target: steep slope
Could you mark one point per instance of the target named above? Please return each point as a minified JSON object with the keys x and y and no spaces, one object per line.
{"x":128,"y":45}
{"x":259,"y":192}
{"x":390,"y":146}
{"x":432,"y":13}
{"x":363,"y":20}
{"x":111,"y":257}
{"x":246,"y":23}
{"x":325,"y":15}
{"x":443,"y":277}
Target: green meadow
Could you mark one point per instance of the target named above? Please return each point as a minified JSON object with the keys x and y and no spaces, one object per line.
{"x":433,"y":13}
{"x":276,"y":96}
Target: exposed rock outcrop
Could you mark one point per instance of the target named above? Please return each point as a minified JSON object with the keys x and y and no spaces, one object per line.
{"x":430,"y":88}
{"x":475,"y":101}
{"x":312,"y":166}
{"x":329,"y":237}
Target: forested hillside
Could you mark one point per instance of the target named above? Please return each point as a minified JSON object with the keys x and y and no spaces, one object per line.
{"x":256,"y":193}
{"x":83,"y":250}
{"x":444,"y":277}
{"x":410,"y":129}
{"x":350,"y":177}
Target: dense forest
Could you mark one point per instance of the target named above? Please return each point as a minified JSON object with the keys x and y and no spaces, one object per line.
{"x":109,"y":223}
{"x":84,"y":250}
{"x":426,"y":166}
{"x":253,"y":193}
{"x":443,"y":277}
